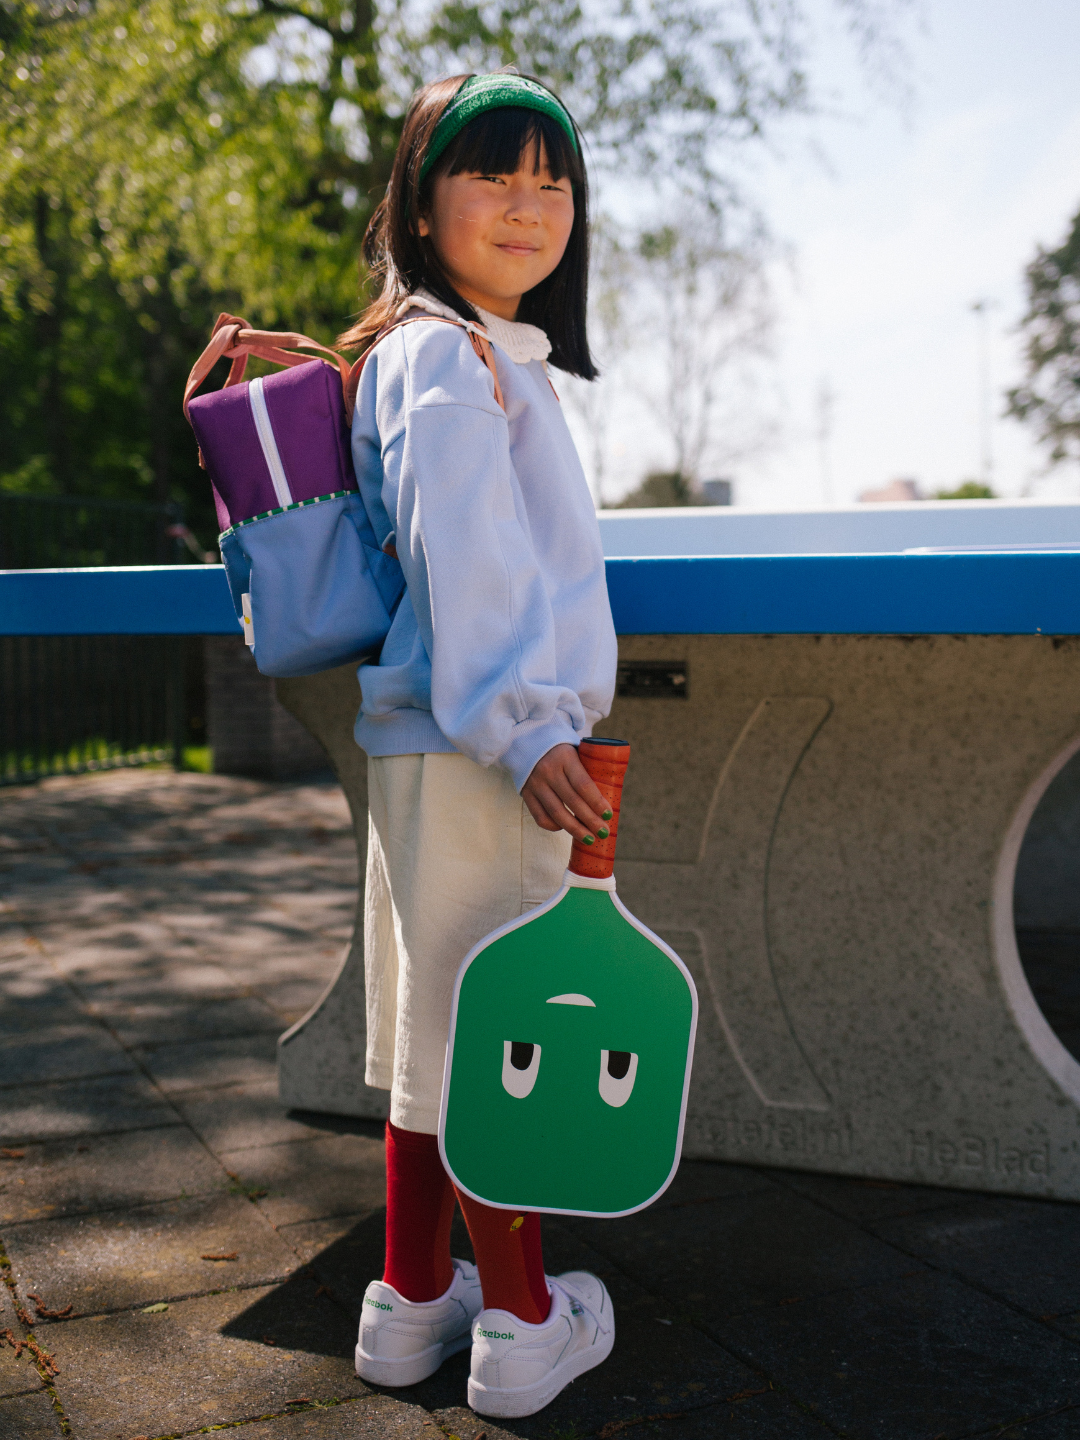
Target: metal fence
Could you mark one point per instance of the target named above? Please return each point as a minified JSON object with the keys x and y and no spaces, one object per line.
{"x":43,"y":532}
{"x":76,"y":703}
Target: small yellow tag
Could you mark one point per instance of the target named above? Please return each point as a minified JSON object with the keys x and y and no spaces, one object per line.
{"x":517,"y":1224}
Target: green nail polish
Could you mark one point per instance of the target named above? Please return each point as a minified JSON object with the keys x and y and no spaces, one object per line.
{"x":606,"y":815}
{"x":603,"y":832}
{"x":586,"y":839}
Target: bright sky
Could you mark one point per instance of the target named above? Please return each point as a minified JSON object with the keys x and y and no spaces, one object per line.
{"x":918,"y":212}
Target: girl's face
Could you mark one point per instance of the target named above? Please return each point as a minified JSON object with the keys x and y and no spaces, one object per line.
{"x":497,"y":236}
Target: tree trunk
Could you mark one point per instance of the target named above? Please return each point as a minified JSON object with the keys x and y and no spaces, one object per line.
{"x":48,"y":337}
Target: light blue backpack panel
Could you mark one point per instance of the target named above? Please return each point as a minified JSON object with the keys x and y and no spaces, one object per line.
{"x":311,"y":584}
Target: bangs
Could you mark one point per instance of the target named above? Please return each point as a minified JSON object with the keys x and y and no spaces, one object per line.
{"x":502,"y":141}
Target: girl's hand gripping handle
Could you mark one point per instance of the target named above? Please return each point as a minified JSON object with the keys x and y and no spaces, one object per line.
{"x":606,"y":762}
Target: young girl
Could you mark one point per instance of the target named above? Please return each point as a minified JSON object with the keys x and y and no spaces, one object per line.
{"x":500,"y":659}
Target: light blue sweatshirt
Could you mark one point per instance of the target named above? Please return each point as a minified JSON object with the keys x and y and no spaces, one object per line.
{"x":503,"y":644}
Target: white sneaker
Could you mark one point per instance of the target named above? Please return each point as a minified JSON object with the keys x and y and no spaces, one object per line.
{"x":403,"y":1342}
{"x":517,"y":1369}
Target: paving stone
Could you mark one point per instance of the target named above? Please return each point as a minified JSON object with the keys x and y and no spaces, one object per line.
{"x":742,"y":1253}
{"x":82,"y":1107}
{"x":374,"y":1417}
{"x":62,"y":1052}
{"x":121,"y":1258}
{"x":1065,"y":1425}
{"x":314,"y":1179}
{"x":865,"y":1200}
{"x":29,"y":1417}
{"x":921,"y":1357}
{"x":769,"y":1415}
{"x":261,"y":972}
{"x":106,"y":1172}
{"x":238,"y":1117}
{"x":292,"y":999}
{"x":1026,"y":1251}
{"x":202,"y":1362}
{"x":746,"y":1413}
{"x":348,"y":1258}
{"x":16,"y":951}
{"x":199,"y":1063}
{"x":32,"y":996}
{"x":17,"y":1372}
{"x":192,"y":979}
{"x":166,"y":1019}
{"x":80,"y":942}
{"x":699,"y":1181}
{"x":311,"y":1238}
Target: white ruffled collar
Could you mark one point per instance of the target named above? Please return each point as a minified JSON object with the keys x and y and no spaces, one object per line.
{"x":520,"y":342}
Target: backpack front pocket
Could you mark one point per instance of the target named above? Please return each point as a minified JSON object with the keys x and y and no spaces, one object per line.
{"x":321,"y":594}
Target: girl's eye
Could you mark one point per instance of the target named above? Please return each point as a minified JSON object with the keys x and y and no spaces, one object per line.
{"x":521,"y":1063}
{"x":618,"y":1071}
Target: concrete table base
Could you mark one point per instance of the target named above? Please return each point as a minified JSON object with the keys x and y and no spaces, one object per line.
{"x":827,"y":830}
{"x":321,"y":1058}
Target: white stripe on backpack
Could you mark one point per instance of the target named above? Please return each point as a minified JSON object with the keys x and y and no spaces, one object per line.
{"x":265,"y":432}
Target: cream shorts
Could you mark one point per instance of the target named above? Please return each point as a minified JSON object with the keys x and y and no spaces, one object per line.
{"x":452,"y":854}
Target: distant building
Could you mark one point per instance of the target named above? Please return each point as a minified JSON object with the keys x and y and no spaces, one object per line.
{"x":895,"y":490}
{"x":717,"y":492}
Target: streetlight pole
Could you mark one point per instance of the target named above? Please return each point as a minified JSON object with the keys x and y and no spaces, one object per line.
{"x":980,"y":309}
{"x":826,"y":402}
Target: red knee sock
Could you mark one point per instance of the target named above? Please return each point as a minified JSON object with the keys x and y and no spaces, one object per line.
{"x":419,"y":1209}
{"x":506,"y":1244}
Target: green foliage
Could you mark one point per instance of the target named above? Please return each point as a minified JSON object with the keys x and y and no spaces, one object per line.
{"x":161,"y":160}
{"x":660,"y":489}
{"x":1050,"y":398}
{"x":968,"y":490}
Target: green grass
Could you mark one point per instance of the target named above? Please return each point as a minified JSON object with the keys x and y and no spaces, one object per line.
{"x":95,"y":753}
{"x":22,"y":766}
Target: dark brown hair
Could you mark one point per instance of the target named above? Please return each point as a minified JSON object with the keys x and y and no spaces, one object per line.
{"x":496,"y":142}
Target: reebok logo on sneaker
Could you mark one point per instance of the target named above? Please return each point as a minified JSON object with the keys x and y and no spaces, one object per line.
{"x":378,"y":1304}
{"x":518,"y":1379}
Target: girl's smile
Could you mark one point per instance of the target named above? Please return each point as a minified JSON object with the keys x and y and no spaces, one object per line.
{"x":498,"y":236}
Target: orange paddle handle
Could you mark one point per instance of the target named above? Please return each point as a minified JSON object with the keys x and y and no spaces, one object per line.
{"x":606,"y":762}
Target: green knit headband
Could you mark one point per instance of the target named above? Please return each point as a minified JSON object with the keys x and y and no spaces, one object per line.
{"x":493,"y":92}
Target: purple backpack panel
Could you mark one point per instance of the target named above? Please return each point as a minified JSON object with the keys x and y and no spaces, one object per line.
{"x":271,"y":442}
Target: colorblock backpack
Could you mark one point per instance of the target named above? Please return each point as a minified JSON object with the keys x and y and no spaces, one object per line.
{"x":309,"y":583}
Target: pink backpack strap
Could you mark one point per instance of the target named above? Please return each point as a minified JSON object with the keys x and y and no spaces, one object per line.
{"x":232,"y":339}
{"x":480,"y":343}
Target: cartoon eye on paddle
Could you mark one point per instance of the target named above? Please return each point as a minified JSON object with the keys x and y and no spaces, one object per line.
{"x":618,"y":1071}
{"x":521,"y":1064}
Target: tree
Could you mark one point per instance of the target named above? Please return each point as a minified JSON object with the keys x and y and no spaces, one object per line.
{"x":707,"y":317}
{"x":967,"y":490}
{"x":611,"y":336}
{"x":163,"y":159}
{"x":1050,"y":396}
{"x":659,"y":490}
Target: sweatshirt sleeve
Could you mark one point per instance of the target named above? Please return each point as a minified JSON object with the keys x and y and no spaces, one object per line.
{"x":463,"y":540}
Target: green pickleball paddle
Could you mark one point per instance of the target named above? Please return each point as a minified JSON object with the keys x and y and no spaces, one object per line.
{"x":571,"y":1040}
